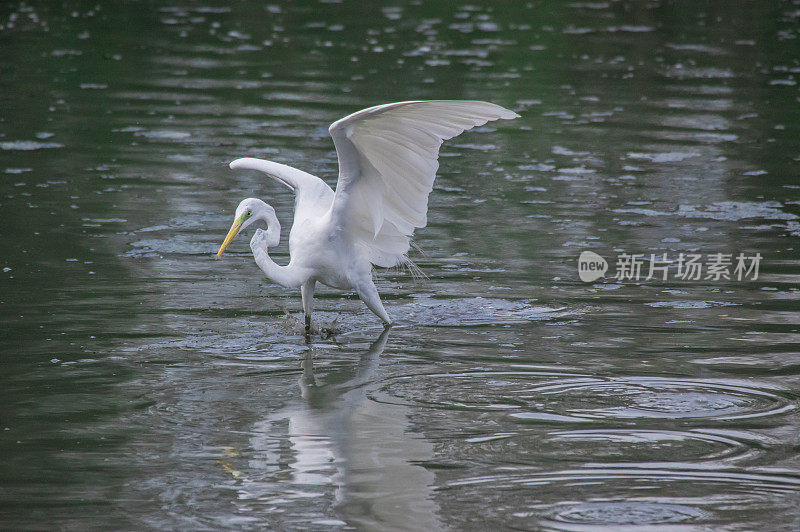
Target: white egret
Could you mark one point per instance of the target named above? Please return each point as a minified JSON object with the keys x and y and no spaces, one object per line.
{"x":388,"y":157}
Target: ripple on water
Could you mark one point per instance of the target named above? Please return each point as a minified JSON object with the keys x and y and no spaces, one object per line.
{"x":178,"y":244}
{"x":613,"y":445}
{"x":475,"y":311}
{"x":245,"y":341}
{"x":690,"y":304}
{"x":28,"y":145}
{"x":479,"y":390}
{"x":730,"y":211}
{"x":539,"y":396}
{"x":658,"y":398}
{"x":625,"y":513}
{"x":164,"y":134}
{"x":633,"y":495}
{"x":653,"y":445}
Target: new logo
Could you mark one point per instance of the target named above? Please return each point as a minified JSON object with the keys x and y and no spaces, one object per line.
{"x":591,"y":266}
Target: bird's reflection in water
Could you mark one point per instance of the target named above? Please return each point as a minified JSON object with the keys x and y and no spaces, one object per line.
{"x":361,"y":448}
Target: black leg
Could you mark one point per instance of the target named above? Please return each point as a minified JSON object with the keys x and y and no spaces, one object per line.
{"x":308,"y":324}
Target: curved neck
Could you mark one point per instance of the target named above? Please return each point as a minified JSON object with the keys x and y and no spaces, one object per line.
{"x":283,"y":275}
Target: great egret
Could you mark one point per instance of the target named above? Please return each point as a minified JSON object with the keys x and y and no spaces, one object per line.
{"x":388,"y":157}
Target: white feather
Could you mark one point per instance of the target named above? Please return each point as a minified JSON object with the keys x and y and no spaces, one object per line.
{"x":388,"y":158}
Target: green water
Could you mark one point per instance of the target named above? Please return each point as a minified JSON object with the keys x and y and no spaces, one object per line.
{"x":146,"y":385}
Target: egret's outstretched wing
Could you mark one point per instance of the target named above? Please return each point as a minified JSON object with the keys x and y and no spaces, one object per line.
{"x":388,"y":158}
{"x":313,"y":194}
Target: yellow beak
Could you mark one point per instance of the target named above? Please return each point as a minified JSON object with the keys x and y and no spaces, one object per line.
{"x":237,"y":225}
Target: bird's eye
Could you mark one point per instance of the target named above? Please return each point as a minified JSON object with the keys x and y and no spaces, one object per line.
{"x":249,"y":213}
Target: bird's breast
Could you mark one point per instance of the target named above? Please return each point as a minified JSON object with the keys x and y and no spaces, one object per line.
{"x":324,"y":252}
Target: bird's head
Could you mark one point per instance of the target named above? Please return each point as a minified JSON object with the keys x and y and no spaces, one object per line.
{"x":248,"y":211}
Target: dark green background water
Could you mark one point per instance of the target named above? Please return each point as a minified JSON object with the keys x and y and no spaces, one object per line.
{"x":144,"y":384}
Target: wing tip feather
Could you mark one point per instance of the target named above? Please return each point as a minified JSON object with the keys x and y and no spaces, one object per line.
{"x":402,"y":216}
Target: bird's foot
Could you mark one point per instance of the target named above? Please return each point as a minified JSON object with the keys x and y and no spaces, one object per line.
{"x":325,"y":331}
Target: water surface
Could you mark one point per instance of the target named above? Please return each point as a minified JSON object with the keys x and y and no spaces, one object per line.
{"x":146,"y":385}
